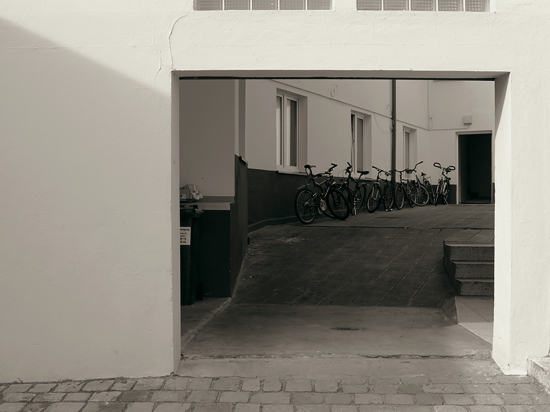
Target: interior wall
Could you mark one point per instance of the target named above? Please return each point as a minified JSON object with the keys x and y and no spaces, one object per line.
{"x":209,"y":124}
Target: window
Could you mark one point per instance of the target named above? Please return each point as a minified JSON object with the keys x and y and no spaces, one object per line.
{"x":262,"y":5}
{"x":287,"y":131}
{"x":357,"y":142}
{"x":409,"y":148}
{"x":424,"y":5}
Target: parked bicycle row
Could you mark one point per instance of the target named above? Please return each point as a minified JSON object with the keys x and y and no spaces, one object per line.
{"x":338,"y":198}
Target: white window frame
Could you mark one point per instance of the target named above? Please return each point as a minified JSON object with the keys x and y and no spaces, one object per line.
{"x":408,"y":6}
{"x":283,"y":132}
{"x":355,"y":117}
{"x":409,"y":148}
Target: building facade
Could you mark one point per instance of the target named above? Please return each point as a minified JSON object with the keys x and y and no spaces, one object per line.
{"x":90,"y":158}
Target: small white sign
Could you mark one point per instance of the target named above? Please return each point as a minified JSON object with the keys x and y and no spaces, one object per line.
{"x":185,"y":236}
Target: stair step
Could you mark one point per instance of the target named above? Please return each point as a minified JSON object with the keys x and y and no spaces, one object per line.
{"x":471,"y":269}
{"x":475,"y":287}
{"x":539,"y":368}
{"x":478,"y":251}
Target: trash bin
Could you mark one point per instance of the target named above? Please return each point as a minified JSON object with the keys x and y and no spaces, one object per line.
{"x":190,"y":285}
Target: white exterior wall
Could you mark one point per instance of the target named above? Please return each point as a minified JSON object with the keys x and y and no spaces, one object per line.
{"x":88,"y":284}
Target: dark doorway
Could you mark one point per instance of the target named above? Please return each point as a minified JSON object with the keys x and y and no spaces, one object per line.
{"x":475,"y":161}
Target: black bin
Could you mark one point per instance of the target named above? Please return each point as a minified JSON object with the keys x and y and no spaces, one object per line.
{"x":191,"y":285}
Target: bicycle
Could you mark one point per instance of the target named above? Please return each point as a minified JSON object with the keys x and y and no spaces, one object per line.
{"x":379,"y":194}
{"x":422,"y":193}
{"x":323,"y":197}
{"x":356,"y":196}
{"x":443,"y":184}
{"x":404,"y":189}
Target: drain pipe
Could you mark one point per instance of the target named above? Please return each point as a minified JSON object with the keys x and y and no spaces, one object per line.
{"x":393,"y":129}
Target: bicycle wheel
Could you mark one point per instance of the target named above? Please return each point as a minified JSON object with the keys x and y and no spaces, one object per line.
{"x":438,"y":193}
{"x":359,"y":198}
{"x":399,"y":197}
{"x":305,"y":206}
{"x":337,"y":203}
{"x":350,"y":198}
{"x":373,"y":199}
{"x":422,"y":195}
{"x":410,"y":190}
{"x":445,"y":194}
{"x":387,"y":196}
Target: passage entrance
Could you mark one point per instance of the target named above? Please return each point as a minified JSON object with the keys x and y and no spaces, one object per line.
{"x":475,"y":168}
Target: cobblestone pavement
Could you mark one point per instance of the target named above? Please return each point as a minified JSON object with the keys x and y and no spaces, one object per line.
{"x":443,"y":393}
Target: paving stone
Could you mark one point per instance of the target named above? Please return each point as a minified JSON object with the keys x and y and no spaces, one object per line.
{"x":443,"y":388}
{"x":345,"y":408}
{"x":123,"y":385}
{"x":312,"y":408}
{"x":370,"y":399}
{"x":270,"y":398}
{"x":486,"y":399}
{"x":528,"y":388}
{"x":355,"y":388}
{"x":226,"y":384}
{"x":69,"y":387}
{"x":449,"y":379}
{"x":49,"y":397}
{"x":385,"y":381}
{"x":503,"y":388}
{"x":306,"y":398}
{"x":354,"y":380}
{"x":11,"y":407}
{"x":450,"y":408}
{"x":516,"y":399}
{"x":251,"y":385}
{"x":98,"y":386}
{"x":18,"y":387}
{"x":77,"y":397}
{"x":298,"y":385}
{"x":458,"y":399}
{"x":429,"y":399}
{"x":477,"y":388}
{"x":272,"y":385}
{"x":35,"y":407}
{"x":384,"y":389}
{"x":168,"y":396}
{"x":485,"y":408}
{"x":173,"y":407}
{"x":415,"y":380}
{"x":140,"y":407}
{"x":42,"y":387}
{"x":212,"y":407}
{"x":18,"y":397}
{"x":104,"y":407}
{"x":176,"y":383}
{"x":200,"y":384}
{"x":110,"y":396}
{"x":519,"y":408}
{"x":247,"y":407}
{"x":410,"y":389}
{"x":65,"y":407}
{"x":514,"y":379}
{"x":399,"y":399}
{"x":338,"y":398}
{"x":148,"y":384}
{"x":135,"y":396}
{"x":234,"y":397}
{"x":542,"y":399}
{"x":202,"y":396}
{"x":393,"y":408}
{"x":278,"y":408}
{"x":2,"y":387}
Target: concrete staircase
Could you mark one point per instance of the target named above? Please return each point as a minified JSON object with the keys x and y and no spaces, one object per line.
{"x":469,"y":262}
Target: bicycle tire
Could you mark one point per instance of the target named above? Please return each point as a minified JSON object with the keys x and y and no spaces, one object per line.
{"x":350,"y":197}
{"x":399,"y":196}
{"x":387,"y":197}
{"x":359,"y":198}
{"x":373,"y":199}
{"x":422,"y":195}
{"x":445,"y":194}
{"x":410,"y":190}
{"x":337,"y":203}
{"x":305,"y":206}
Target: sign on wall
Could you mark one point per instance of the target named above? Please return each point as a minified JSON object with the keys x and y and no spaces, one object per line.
{"x":185,"y":236}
